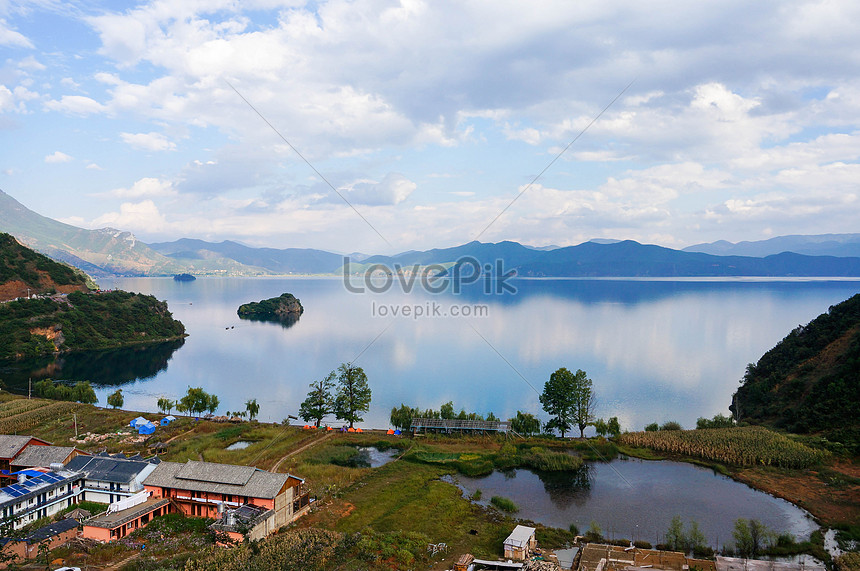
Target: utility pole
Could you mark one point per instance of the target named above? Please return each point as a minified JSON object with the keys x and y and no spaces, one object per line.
{"x":30,"y":389}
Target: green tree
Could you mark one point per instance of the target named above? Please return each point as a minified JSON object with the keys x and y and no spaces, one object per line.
{"x":402,"y":417}
{"x":446,"y":411}
{"x":675,"y":538}
{"x":253,"y":408}
{"x":196,"y":400}
{"x":569,"y":399}
{"x":116,"y":399}
{"x":653,"y":427}
{"x":525,"y":423}
{"x":319,"y":402}
{"x":613,"y":427}
{"x":165,"y":405}
{"x":600,"y":427}
{"x":212,"y":403}
{"x":353,"y":394}
{"x":695,"y":538}
{"x":751,"y":537}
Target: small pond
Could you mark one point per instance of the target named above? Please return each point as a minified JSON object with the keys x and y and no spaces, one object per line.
{"x":372,"y":457}
{"x":637,"y":499}
{"x":240,"y":445}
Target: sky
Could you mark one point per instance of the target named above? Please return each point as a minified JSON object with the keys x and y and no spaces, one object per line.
{"x":380,"y":126}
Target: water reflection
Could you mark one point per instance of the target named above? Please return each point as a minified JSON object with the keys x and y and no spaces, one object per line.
{"x":103,"y":368}
{"x":286,"y":321}
{"x":635,"y":499}
{"x":568,"y":488}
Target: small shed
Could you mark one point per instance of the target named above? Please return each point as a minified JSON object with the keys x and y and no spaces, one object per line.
{"x":520,"y":543}
{"x":147,"y":428}
{"x":167,"y":420}
{"x":138,"y":421}
{"x":78,"y":514}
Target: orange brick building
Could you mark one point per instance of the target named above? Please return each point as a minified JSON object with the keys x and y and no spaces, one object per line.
{"x":207,"y":489}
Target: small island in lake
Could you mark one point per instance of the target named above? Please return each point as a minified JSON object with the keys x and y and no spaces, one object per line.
{"x":184,"y":278}
{"x":284,"y":309}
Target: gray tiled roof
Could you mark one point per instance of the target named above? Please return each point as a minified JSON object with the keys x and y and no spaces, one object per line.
{"x":106,"y":469}
{"x":11,"y":445}
{"x":217,"y":479}
{"x":42,"y":456}
{"x":51,"y":530}
{"x":216,"y":473}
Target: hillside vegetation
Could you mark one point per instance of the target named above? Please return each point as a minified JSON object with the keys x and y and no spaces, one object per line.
{"x":31,"y":327}
{"x":22,"y":269}
{"x":809,"y":382}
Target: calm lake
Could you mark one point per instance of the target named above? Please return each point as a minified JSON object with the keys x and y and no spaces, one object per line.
{"x":635,"y":499}
{"x":656,"y":350}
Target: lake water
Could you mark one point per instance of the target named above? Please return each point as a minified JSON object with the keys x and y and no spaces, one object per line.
{"x":636,"y":499}
{"x":656,"y":350}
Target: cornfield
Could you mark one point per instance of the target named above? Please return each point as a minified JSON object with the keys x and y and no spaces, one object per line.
{"x":18,"y":406}
{"x":23,"y":421}
{"x":746,"y":446}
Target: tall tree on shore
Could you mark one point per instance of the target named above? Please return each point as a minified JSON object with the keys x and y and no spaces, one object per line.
{"x":320,"y":401}
{"x":253,"y":408}
{"x":569,"y":399}
{"x":353,"y":394}
{"x":115,"y":399}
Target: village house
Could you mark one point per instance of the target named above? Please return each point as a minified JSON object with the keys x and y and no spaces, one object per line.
{"x":520,"y":543}
{"x":110,"y":479}
{"x":52,"y":535}
{"x":37,"y":495}
{"x":45,"y":456}
{"x":224,"y":491}
{"x":125,"y":516}
{"x":12,"y":446}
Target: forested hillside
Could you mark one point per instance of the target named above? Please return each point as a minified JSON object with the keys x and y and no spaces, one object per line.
{"x":24,"y":271}
{"x":31,"y":327}
{"x":809,"y":382}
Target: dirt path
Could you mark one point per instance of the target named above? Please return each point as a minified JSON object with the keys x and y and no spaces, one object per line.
{"x":172,"y":438}
{"x":302,"y":449}
{"x":119,"y":564}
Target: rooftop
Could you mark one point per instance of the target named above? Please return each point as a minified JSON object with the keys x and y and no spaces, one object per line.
{"x":217,"y":479}
{"x":43,"y":456}
{"x":107,"y":469}
{"x":36,"y":484}
{"x":520,"y":536}
{"x":51,"y":530}
{"x":11,"y":445}
{"x":116,"y":519}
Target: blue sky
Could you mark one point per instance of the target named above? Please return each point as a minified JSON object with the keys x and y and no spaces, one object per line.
{"x":431,"y":117}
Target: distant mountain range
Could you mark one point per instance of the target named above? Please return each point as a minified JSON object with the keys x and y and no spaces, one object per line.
{"x":842,"y":245}
{"x":108,"y":252}
{"x":267,"y":260}
{"x":621,"y":259}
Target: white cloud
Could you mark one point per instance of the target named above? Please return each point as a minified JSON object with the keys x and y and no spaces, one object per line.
{"x":148,"y":141}
{"x":6,"y":100}
{"x":76,"y":105}
{"x":141,"y":216}
{"x":393,"y":189}
{"x":95,"y":167}
{"x":58,"y":157}
{"x":9,"y":37}
{"x":145,"y":187}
